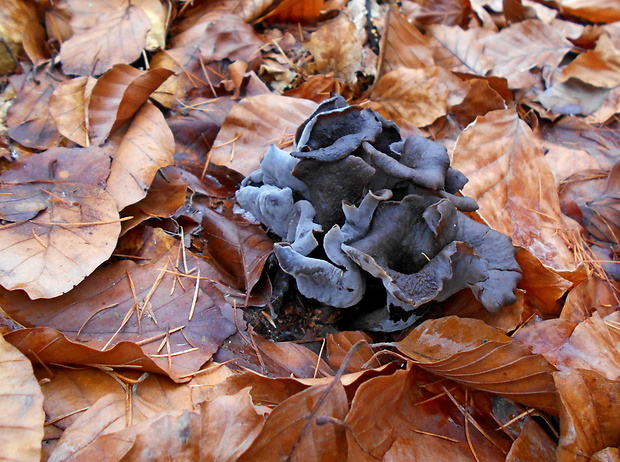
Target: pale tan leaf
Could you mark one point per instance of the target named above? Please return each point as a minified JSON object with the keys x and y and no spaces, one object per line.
{"x":253,"y":125}
{"x":418,"y":96}
{"x":118,"y":37}
{"x":22,"y":418}
{"x":512,"y":183}
{"x":147,"y":146}
{"x":336,"y":49}
{"x":525,"y":45}
{"x":460,"y":50}
{"x":67,"y":107}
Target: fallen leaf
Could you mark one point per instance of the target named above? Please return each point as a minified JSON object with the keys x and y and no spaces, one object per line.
{"x":525,"y":45}
{"x":480,"y":99}
{"x":146,"y":146}
{"x":573,"y":97}
{"x":29,"y":120}
{"x":230,"y":423}
{"x":336,"y":49}
{"x":418,"y":96}
{"x":68,"y":108}
{"x":253,"y":125}
{"x":338,"y":345}
{"x":119,"y":36}
{"x":301,"y":428}
{"x":509,"y":179}
{"x":599,"y":67}
{"x":296,"y":11}
{"x":21,"y":424}
{"x":460,"y":50}
{"x":447,"y":12}
{"x":239,"y":249}
{"x":588,"y":414}
{"x":533,"y":444}
{"x":593,"y":294}
{"x":593,"y":10}
{"x":481,"y":357}
{"x":118,"y":95}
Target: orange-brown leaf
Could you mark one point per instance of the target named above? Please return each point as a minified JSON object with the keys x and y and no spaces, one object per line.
{"x":68,"y":108}
{"x":470,"y":352}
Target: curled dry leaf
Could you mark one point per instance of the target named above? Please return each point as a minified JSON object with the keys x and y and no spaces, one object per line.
{"x":146,"y":146}
{"x":302,"y":428}
{"x":29,"y":120}
{"x":589,"y":409}
{"x":336,"y":48}
{"x":119,"y":36}
{"x":239,"y":249}
{"x":21,"y":423}
{"x":68,"y":108}
{"x":118,"y":95}
{"x":253,"y":125}
{"x":509,"y":178}
{"x":470,"y":352}
{"x":418,"y":96}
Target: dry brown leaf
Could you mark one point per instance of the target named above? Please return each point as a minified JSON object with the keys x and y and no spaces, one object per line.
{"x":35,"y":43}
{"x":532,"y":445}
{"x":21,"y":422}
{"x":15,"y":15}
{"x":338,"y":345}
{"x":119,"y":36}
{"x":480,"y":99}
{"x":336,"y":49}
{"x":525,"y":45}
{"x":118,"y":95}
{"x":573,"y":97}
{"x":146,"y":146}
{"x":599,"y":67}
{"x":460,"y":50}
{"x":296,"y":11}
{"x":29,"y":120}
{"x":447,"y":12}
{"x":510,"y":179}
{"x":75,"y":233}
{"x":594,"y":294}
{"x":253,"y":125}
{"x":230,"y":423}
{"x":593,"y":10}
{"x":300,"y":428}
{"x":412,"y":405}
{"x":403,"y":45}
{"x":418,"y":96}
{"x":249,"y":10}
{"x":68,"y":108}
{"x":588,"y":414}
{"x":470,"y":352}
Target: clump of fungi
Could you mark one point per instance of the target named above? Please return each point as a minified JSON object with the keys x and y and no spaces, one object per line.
{"x":355,"y":199}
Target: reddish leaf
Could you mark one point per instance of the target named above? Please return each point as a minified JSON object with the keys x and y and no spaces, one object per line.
{"x":119,"y":36}
{"x":338,"y":345}
{"x":21,"y":423}
{"x":533,"y":444}
{"x":146,"y":146}
{"x":300,"y":428}
{"x":118,"y":95}
{"x":470,"y":352}
{"x":296,"y":11}
{"x":593,"y":10}
{"x":238,"y":248}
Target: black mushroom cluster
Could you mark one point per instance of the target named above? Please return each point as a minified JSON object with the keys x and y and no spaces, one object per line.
{"x":354,"y":200}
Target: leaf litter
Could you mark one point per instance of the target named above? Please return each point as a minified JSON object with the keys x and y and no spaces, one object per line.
{"x":151,"y":307}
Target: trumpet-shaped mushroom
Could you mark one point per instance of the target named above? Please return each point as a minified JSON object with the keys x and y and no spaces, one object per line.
{"x":393,"y":211}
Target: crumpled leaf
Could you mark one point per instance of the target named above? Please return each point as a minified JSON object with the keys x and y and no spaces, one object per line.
{"x":481,"y":357}
{"x":300,"y":427}
{"x":147,"y":146}
{"x":119,"y":36}
{"x":508,"y":177}
{"x":418,"y":96}
{"x":255,"y":123}
{"x":21,"y":423}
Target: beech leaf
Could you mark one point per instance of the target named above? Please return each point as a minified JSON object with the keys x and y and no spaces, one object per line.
{"x":470,"y":352}
{"x":68,"y":108}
